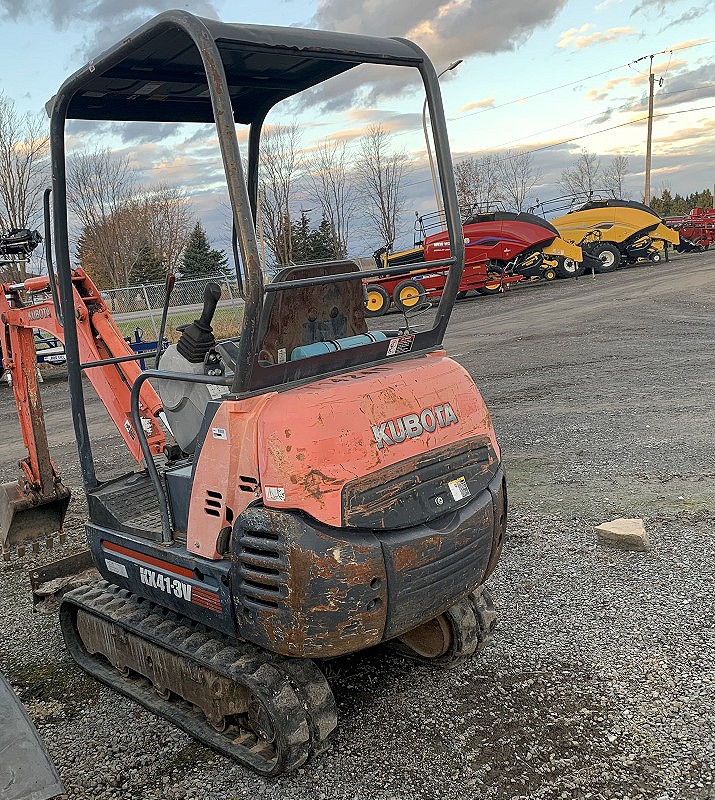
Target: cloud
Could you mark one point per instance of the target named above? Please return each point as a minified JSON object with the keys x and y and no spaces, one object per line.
{"x":695,"y":12}
{"x":689,"y":43}
{"x":104,"y":21}
{"x":691,"y":86}
{"x":486,"y":103}
{"x":698,"y":133}
{"x":603,"y":92}
{"x":445,"y":29}
{"x":579,"y":38}
{"x":607,"y":4}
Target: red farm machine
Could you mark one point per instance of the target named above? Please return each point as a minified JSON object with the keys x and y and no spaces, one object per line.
{"x":318,"y":488}
{"x":501,"y":248}
{"x":697,"y":230}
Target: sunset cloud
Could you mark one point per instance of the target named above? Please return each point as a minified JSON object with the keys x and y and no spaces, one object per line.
{"x":579,"y":38}
{"x":488,"y":102}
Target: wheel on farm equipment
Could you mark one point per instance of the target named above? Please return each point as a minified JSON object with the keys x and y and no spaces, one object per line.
{"x":448,"y":640}
{"x":377,"y":301}
{"x":609,"y":256}
{"x":549,"y":274}
{"x":568,"y":268}
{"x":409,"y":295}
{"x":493,"y":287}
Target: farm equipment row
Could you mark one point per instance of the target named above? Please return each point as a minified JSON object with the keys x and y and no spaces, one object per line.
{"x":503,"y":248}
{"x":500,"y":248}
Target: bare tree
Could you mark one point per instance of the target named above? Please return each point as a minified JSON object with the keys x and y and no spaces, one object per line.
{"x":477,"y":180}
{"x":100,"y":186}
{"x":614,"y":176}
{"x":517,"y":177}
{"x":118,"y":218}
{"x":331,"y":187}
{"x":280,"y":165}
{"x":23,"y":172}
{"x":165,"y":214}
{"x":380,"y":170}
{"x":584,"y":176}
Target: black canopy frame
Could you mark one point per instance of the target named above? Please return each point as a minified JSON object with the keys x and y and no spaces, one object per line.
{"x":182,"y":68}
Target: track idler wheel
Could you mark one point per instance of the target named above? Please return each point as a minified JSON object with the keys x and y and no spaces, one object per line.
{"x":448,"y":640}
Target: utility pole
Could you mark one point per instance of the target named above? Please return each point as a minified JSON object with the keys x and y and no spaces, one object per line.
{"x":651,"y":82}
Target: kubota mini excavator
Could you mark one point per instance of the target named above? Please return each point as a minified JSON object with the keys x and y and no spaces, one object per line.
{"x":330,"y":488}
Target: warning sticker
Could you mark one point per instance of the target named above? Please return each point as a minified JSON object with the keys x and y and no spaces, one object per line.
{"x":459,"y":488}
{"x":275,"y":494}
{"x":402,"y":344}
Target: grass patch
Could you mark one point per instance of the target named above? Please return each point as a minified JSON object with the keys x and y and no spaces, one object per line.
{"x":59,"y":683}
{"x":226,"y":323}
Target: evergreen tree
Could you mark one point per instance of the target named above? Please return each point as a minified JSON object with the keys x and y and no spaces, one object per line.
{"x":317,"y":244}
{"x":300,"y":235}
{"x":324,"y":242}
{"x":148,"y":267}
{"x":668,"y":205}
{"x":200,"y":260}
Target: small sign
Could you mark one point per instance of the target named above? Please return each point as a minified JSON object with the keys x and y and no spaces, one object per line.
{"x":281,"y":355}
{"x":217,"y":391}
{"x":275,"y":494}
{"x":219,"y":433}
{"x":116,"y":568}
{"x":401,"y":344}
{"x":459,"y":488}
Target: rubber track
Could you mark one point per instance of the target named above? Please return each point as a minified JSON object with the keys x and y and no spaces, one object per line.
{"x":301,"y":704}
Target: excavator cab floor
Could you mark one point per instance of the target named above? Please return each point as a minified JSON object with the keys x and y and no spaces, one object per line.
{"x":128,"y":504}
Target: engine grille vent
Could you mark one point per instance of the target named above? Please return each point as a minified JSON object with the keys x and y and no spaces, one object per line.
{"x":262,"y":570}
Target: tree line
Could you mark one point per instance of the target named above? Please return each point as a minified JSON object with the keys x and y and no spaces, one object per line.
{"x":675,"y":205}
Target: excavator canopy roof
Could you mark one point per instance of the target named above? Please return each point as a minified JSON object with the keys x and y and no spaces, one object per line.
{"x":156,"y":74}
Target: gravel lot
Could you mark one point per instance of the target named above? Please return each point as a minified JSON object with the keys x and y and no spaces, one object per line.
{"x":600,"y":682}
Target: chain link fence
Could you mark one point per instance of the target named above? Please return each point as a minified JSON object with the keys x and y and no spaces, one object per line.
{"x":140,"y":307}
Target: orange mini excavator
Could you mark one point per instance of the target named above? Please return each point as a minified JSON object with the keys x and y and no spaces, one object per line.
{"x":329,"y":487}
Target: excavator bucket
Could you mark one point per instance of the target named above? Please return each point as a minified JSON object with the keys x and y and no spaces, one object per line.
{"x":26,"y":517}
{"x":26,"y":771}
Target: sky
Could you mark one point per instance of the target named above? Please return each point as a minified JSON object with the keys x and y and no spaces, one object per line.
{"x":549,"y":76}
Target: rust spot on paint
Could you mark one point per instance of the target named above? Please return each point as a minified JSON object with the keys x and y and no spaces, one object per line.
{"x":404,"y":558}
{"x":317,"y":483}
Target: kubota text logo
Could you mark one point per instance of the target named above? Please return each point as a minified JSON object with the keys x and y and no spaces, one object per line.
{"x":411,"y":426}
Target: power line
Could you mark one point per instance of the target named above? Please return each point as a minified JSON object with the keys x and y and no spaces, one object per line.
{"x":573,"y":83}
{"x":593,"y":133}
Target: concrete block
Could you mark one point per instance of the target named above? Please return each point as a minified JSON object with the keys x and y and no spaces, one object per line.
{"x":625,"y":534}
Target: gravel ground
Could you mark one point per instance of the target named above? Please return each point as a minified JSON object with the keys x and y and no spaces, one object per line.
{"x":600,"y":682}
